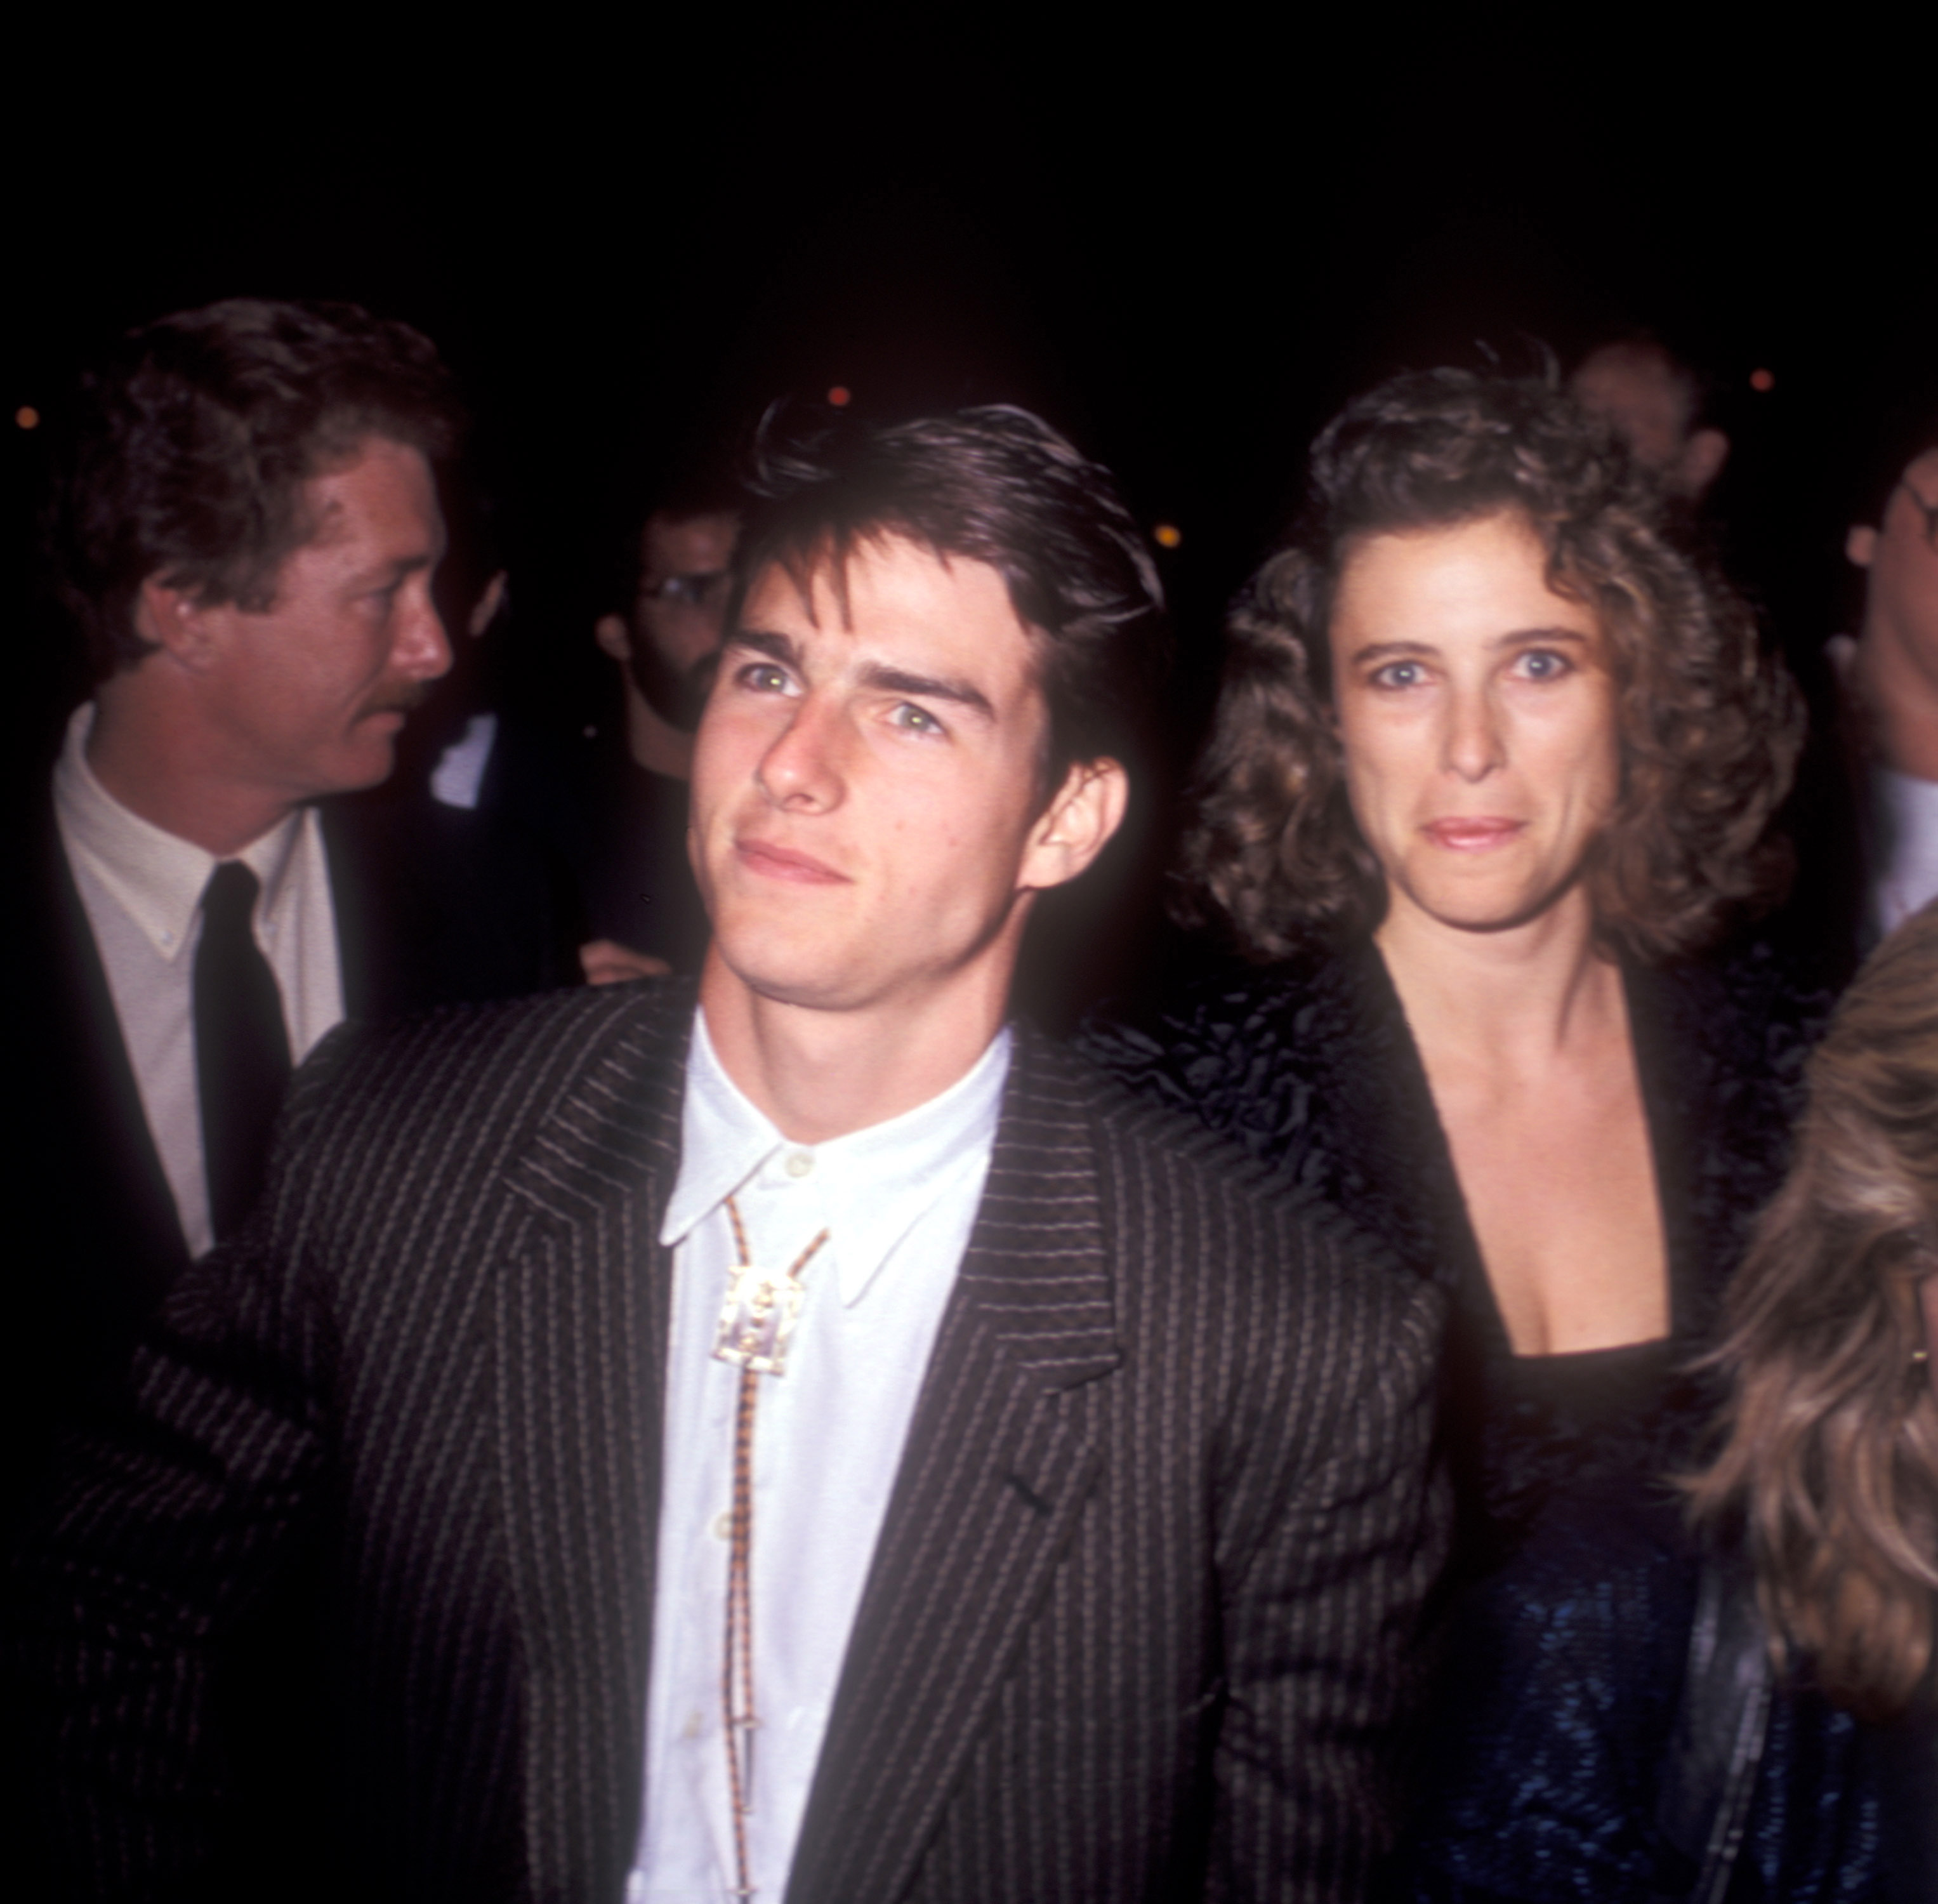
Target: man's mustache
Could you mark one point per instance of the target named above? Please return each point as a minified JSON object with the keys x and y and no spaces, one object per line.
{"x":398,"y":700}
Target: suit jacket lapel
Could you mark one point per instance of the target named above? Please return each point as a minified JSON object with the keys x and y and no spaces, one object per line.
{"x":580,"y":1333}
{"x":996,"y":1468}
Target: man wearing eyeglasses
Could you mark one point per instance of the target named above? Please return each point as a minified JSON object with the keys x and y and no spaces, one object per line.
{"x":642,"y":912}
{"x":1889,"y":674}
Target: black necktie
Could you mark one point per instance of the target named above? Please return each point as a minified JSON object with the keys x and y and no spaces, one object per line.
{"x":241,"y":1050}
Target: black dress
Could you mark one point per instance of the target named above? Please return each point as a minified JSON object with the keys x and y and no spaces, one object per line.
{"x":1569,"y":1606}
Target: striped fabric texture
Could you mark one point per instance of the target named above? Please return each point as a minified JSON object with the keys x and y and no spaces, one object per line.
{"x":1137,"y":1626}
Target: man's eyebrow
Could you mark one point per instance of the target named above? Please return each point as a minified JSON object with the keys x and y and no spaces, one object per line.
{"x":928,"y":687}
{"x":776,"y":647}
{"x":880,"y":676}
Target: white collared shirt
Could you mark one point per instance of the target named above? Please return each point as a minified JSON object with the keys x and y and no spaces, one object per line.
{"x":142,"y":888}
{"x":898,"y":1201}
{"x":1908,"y":813}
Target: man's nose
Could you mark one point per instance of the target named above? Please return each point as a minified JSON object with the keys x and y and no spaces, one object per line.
{"x":422,"y":650}
{"x":801,"y":768}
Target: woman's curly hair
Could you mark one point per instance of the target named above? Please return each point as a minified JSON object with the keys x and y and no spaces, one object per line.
{"x":1827,"y":1470}
{"x":1709,"y":726}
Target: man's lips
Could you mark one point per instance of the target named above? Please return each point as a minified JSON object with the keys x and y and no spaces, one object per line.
{"x":781,"y":862}
{"x":1474,"y":835}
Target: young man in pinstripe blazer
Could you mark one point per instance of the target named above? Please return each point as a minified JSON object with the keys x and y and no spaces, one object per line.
{"x":1043,"y":1512}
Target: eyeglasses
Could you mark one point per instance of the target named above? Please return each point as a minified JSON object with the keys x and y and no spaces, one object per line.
{"x":687,"y":590}
{"x":1928,"y":510}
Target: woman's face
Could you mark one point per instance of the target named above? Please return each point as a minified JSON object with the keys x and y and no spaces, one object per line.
{"x":1477,"y":718}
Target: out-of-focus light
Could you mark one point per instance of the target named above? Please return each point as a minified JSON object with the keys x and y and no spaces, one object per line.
{"x":1761,"y":379}
{"x":840,"y":397}
{"x":27,"y":417}
{"x":1168,"y":535}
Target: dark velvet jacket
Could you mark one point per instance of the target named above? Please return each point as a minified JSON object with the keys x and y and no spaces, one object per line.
{"x":1309,"y":1064}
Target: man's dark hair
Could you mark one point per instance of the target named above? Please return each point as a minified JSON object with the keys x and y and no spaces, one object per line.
{"x":1708,"y":724}
{"x":197,"y":437}
{"x":998,"y":485}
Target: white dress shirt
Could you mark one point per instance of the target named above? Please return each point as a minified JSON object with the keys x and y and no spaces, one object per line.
{"x":1908,"y":816}
{"x":142,"y":888}
{"x":898,"y":1201}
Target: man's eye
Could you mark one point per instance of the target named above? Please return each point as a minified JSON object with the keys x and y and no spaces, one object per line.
{"x":763,"y":677}
{"x":692,"y":591}
{"x":916,"y":720}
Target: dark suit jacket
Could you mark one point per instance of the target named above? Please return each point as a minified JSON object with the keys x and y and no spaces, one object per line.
{"x":429,"y":910}
{"x":1138,"y":1619}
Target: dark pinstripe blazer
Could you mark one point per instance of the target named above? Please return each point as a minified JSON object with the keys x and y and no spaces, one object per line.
{"x":1136,"y":1621}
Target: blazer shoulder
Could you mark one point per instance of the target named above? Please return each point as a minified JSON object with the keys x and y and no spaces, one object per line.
{"x":473,"y":1068}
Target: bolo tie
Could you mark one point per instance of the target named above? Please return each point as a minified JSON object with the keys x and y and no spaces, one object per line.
{"x":757,"y":1324}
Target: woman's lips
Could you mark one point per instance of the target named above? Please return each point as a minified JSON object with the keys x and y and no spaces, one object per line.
{"x":777,"y":862}
{"x":1471,"y":835}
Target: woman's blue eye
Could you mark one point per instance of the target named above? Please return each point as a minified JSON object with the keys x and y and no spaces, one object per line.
{"x":1545,"y":664}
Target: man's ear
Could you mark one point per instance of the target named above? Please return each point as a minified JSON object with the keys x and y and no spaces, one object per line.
{"x":613,"y":636}
{"x":173,"y":620}
{"x":1076,"y":824}
{"x":1701,"y":462}
{"x":1860,"y":545}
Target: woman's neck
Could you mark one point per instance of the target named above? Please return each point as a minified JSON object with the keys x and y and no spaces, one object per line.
{"x":1518,"y":998}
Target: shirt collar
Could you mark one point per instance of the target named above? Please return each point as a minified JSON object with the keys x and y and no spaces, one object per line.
{"x":875,"y":1184}
{"x":154,"y":877}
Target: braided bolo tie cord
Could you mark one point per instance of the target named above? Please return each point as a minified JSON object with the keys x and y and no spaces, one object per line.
{"x":737,"y":1666}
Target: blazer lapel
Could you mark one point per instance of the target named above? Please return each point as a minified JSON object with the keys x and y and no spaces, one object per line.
{"x":996,"y":1469}
{"x":580,"y":1334}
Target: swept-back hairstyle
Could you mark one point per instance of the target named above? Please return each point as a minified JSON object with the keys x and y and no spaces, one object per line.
{"x":195,"y":440}
{"x":1828,"y":1471}
{"x":994,"y":485}
{"x":1708,"y":725}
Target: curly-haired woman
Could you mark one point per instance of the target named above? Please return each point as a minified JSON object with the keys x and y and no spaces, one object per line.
{"x":1826,"y":1480}
{"x":1494,"y":759}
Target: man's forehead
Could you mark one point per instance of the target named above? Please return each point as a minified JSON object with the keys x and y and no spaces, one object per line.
{"x":384,"y":473}
{"x":688,"y":545}
{"x":820,"y":581}
{"x":1921,"y":474}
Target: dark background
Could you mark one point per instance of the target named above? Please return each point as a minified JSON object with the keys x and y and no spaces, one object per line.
{"x":1185,"y":244}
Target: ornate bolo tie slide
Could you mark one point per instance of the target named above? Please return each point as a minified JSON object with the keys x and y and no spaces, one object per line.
{"x":758,"y":1319}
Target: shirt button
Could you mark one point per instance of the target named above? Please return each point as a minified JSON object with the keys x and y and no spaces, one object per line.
{"x":723,"y":1525}
{"x":800,"y":1162}
{"x":691,"y":1729}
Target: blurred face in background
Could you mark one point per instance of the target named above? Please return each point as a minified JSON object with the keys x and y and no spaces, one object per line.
{"x":678,"y":613}
{"x":1900,"y":559}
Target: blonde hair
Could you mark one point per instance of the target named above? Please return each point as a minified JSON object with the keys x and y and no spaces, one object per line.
{"x":1828,"y":1470}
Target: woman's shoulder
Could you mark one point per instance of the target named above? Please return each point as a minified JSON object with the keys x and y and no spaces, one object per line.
{"x":1746,"y":1016}
{"x":1296,"y":1061}
{"x":1217,"y":1025}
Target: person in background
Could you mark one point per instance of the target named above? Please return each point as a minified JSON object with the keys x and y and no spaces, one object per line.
{"x":1824,"y":1490}
{"x":1493,"y":763}
{"x":642,"y":914}
{"x":1654,"y":401}
{"x":246,"y":537}
{"x":1888,"y":676}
